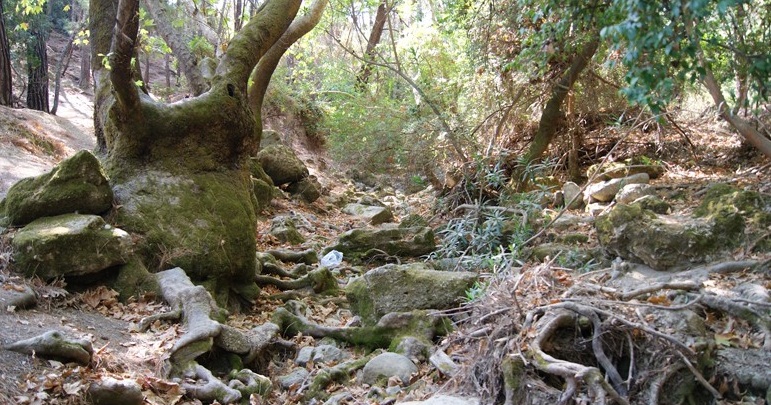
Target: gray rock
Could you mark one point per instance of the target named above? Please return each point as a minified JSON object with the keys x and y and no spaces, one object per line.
{"x":387,"y":365}
{"x":263,"y":193}
{"x":413,"y":348}
{"x":307,"y":189}
{"x":110,"y":391}
{"x":661,"y":242}
{"x":632,"y":192}
{"x":445,"y":400}
{"x":69,"y":245}
{"x":282,"y":164}
{"x":443,"y":363}
{"x":77,"y":184}
{"x":284,"y":229}
{"x":320,"y":354}
{"x":401,"y":288}
{"x":374,"y":215}
{"x":296,"y":377}
{"x":362,"y":244}
{"x":605,"y":191}
{"x":570,"y":191}
{"x":653,"y":203}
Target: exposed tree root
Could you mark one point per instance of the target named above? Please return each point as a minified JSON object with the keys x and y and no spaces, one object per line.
{"x":308,"y":256}
{"x":417,"y":323}
{"x":321,"y":280}
{"x":204,"y":333}
{"x":54,"y":344}
{"x":315,"y":387}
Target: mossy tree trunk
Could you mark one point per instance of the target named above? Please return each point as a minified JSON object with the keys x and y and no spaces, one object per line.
{"x":179,"y":171}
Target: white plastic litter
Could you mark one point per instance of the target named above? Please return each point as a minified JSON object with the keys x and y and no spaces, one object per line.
{"x":331,"y":259}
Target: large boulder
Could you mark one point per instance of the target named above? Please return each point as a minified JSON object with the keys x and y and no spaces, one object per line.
{"x":663,"y":242}
{"x":69,"y":245}
{"x":374,"y":215}
{"x":77,"y":184}
{"x":401,"y":288}
{"x":737,"y":212}
{"x":360,"y":244}
{"x":282,"y":164}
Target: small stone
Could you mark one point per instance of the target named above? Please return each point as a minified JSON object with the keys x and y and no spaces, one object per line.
{"x":296,"y":377}
{"x":570,"y":193}
{"x":110,"y":391}
{"x":375,"y":215}
{"x":443,"y":363}
{"x":605,"y":191}
{"x":387,"y":365}
{"x":632,"y":192}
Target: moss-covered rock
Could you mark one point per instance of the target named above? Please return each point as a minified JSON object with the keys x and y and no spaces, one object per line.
{"x":282,"y":164}
{"x":256,"y":170}
{"x":307,"y":189}
{"x":401,"y":288}
{"x":284,"y":229}
{"x":736,"y":212}
{"x":69,"y":245}
{"x":662,"y":242}
{"x":361,"y":244}
{"x":202,"y":222}
{"x":615,"y":170}
{"x":653,"y":203}
{"x":263,"y":193}
{"x":372,"y":214}
{"x":77,"y":184}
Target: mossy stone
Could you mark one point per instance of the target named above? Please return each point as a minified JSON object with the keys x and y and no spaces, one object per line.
{"x":362,"y":243}
{"x":282,"y":164}
{"x":77,"y":184}
{"x":69,"y":245}
{"x":263,"y":192}
{"x":735,"y":212}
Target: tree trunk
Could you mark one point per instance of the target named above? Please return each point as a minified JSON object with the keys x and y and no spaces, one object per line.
{"x":237,"y":13}
{"x":37,"y":72}
{"x":374,"y":38}
{"x":180,"y":171}
{"x":61,"y":67}
{"x":85,"y":67}
{"x":188,"y":63}
{"x":551,"y":115}
{"x":6,"y":82}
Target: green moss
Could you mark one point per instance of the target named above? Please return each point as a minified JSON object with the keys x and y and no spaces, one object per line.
{"x":77,"y":184}
{"x":202,"y":222}
{"x":734,"y":212}
{"x":133,"y":280}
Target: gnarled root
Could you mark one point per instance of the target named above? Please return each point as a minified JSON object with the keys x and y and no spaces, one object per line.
{"x":55,"y":344}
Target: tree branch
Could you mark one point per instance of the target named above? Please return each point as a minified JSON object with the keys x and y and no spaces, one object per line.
{"x":254,"y":41}
{"x":121,"y":53}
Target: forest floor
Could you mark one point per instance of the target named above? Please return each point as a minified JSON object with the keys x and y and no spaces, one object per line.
{"x":32,"y":143}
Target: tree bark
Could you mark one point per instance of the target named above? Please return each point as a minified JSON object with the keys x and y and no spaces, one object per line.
{"x":180,"y":171}
{"x":85,"y":67}
{"x":374,"y":38}
{"x":37,"y":72}
{"x":550,"y":117}
{"x":61,"y":67}
{"x":6,"y":83}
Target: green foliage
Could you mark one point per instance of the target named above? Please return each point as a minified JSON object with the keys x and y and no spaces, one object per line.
{"x":659,"y":42}
{"x":201,"y":47}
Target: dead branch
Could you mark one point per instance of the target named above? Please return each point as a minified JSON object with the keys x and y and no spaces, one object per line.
{"x":321,"y":280}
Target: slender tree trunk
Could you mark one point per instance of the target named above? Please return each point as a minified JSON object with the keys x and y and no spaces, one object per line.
{"x":374,"y":39}
{"x":238,"y":11}
{"x":85,"y":67}
{"x":146,"y":76}
{"x":37,"y":72}
{"x":6,"y":82}
{"x":167,"y":68}
{"x":551,"y":115}
{"x":61,"y":68}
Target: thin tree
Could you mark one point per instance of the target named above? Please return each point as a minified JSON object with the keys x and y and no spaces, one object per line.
{"x":6,"y":83}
